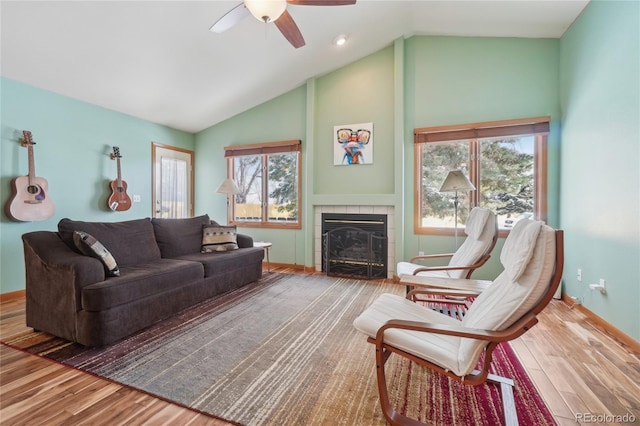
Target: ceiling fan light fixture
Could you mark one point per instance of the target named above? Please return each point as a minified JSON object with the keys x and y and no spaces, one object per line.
{"x":266,"y":10}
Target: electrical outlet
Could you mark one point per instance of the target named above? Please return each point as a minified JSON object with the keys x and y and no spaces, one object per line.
{"x":603,"y":283}
{"x":420,"y":253}
{"x":136,"y":198}
{"x":579,"y":274}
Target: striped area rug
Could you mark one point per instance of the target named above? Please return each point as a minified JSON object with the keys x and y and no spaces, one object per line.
{"x":283,"y":351}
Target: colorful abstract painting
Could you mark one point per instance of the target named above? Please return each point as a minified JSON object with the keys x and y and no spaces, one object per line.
{"x":353,"y":144}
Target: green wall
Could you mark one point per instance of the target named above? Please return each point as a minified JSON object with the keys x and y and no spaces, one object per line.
{"x":282,"y":118}
{"x":600,"y":207}
{"x":362,"y":92}
{"x":73,"y":142}
{"x":455,"y":80}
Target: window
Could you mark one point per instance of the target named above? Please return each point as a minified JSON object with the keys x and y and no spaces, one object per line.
{"x":506,"y":161}
{"x":268,"y":177}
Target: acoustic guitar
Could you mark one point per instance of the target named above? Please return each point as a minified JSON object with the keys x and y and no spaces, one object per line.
{"x":119,"y":200}
{"x":29,"y":201}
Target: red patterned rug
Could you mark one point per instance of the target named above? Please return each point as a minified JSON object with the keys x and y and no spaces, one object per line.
{"x":283,"y":351}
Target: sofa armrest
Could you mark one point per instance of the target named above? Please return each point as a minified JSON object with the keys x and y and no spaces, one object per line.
{"x":244,"y":240}
{"x":55,"y":276}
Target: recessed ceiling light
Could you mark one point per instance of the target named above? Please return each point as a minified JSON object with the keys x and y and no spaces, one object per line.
{"x":340,"y":40}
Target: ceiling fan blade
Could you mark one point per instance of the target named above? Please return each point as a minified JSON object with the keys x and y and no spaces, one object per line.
{"x":290,"y":30}
{"x":230,"y":19}
{"x":321,"y":2}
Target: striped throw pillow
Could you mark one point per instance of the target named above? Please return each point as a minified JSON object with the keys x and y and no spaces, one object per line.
{"x":89,"y":246}
{"x":218,"y":238}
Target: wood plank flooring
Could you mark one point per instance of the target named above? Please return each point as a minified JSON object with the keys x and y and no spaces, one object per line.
{"x":579,"y":370}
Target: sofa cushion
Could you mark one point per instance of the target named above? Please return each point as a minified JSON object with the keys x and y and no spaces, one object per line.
{"x":140,"y":281}
{"x":216,"y":263}
{"x":218,"y":238}
{"x":177,"y":237}
{"x":130,"y":242}
{"x":89,"y":246}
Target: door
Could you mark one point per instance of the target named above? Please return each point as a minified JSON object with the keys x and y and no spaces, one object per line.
{"x":172,"y":182}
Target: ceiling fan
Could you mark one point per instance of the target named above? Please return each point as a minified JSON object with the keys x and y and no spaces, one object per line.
{"x":272,"y":11}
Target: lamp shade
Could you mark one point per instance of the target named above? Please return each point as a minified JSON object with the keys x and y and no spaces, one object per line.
{"x":456,"y":181}
{"x":266,"y":10}
{"x":229,"y":187}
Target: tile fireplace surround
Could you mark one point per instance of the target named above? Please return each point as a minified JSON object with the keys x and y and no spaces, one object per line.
{"x":388,"y":210}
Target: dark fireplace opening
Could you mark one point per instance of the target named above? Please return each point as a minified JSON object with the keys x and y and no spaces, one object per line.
{"x":354,"y":245}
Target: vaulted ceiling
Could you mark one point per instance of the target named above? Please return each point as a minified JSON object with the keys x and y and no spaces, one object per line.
{"x":157,"y":60}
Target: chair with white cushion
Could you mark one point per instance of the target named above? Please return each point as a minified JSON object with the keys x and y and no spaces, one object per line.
{"x":533,"y":258}
{"x":482,"y":234}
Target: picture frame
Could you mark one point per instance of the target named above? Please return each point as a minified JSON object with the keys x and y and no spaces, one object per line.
{"x":353,"y":144}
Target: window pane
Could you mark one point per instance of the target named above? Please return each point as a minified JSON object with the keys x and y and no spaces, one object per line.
{"x":248,"y":176}
{"x":283,"y":188}
{"x":507,"y":172}
{"x":437,"y":209}
{"x":173,"y":188}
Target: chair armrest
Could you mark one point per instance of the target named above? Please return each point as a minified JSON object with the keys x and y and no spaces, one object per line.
{"x":510,"y":333}
{"x":430,"y":256}
{"x":443,"y":268}
{"x":441,"y":292}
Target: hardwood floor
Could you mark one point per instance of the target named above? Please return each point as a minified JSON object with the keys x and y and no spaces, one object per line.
{"x":579,"y":370}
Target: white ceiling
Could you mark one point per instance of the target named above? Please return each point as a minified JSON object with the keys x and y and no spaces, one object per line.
{"x":157,"y":60}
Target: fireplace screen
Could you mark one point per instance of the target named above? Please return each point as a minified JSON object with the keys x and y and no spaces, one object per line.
{"x":354,"y":245}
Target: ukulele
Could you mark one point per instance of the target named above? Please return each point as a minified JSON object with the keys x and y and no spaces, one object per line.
{"x":119,"y":200}
{"x":29,"y":201}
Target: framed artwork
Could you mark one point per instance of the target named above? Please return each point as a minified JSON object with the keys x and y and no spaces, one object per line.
{"x":353,"y":144}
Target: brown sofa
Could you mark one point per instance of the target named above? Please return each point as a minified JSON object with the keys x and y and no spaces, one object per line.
{"x":162,"y":271}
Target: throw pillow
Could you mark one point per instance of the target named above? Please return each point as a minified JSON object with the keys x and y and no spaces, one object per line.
{"x":89,"y":246}
{"x":218,"y":238}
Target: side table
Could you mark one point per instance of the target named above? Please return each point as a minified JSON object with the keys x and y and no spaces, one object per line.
{"x":266,"y":245}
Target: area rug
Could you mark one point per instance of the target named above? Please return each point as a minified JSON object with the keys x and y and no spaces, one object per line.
{"x":283,"y":351}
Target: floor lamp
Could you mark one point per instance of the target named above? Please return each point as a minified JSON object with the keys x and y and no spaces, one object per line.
{"x":454,"y":182}
{"x":230,"y":188}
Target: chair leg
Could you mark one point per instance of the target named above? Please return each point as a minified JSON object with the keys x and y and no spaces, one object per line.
{"x":508,"y":400}
{"x":392,"y":416}
{"x":397,"y":419}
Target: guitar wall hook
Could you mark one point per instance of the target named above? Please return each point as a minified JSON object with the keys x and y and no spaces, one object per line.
{"x":29,"y":201}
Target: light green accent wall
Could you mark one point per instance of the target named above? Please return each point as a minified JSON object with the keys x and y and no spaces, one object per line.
{"x":456,"y":80}
{"x":361,"y":92}
{"x":73,"y":142}
{"x":282,"y":118}
{"x":600,"y":207}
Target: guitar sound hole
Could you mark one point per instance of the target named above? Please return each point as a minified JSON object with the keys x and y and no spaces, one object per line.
{"x":33,"y":189}
{"x":120,"y":189}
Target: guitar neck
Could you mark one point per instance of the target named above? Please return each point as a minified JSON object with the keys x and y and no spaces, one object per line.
{"x":32,"y":166}
{"x":119,"y":171}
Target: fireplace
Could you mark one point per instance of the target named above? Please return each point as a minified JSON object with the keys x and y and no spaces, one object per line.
{"x":354,"y":245}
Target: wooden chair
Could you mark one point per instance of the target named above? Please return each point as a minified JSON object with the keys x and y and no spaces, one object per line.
{"x":482,"y":234}
{"x":533,"y":257}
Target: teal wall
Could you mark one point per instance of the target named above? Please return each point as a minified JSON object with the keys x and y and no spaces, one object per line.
{"x":600,"y":192}
{"x":455,"y":80}
{"x":73,"y":142}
